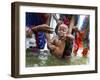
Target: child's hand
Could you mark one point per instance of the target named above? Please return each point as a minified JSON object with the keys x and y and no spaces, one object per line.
{"x":70,"y":36}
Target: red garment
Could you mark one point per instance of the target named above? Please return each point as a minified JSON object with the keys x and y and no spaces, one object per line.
{"x":66,"y":21}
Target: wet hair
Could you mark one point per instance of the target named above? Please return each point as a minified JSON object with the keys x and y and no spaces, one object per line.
{"x":56,"y":29}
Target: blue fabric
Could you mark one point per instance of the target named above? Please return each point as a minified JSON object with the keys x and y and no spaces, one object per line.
{"x":41,"y":37}
{"x":36,"y":19}
{"x":33,"y":19}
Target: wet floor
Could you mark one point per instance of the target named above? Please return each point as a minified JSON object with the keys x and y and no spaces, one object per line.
{"x":44,"y":58}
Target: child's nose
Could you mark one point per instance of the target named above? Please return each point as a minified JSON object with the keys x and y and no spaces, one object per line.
{"x":62,"y":31}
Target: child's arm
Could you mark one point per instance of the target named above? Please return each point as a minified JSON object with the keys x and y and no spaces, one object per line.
{"x":70,"y":36}
{"x":53,"y":44}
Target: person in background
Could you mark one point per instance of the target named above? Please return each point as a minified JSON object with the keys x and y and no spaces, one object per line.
{"x":37,"y":24}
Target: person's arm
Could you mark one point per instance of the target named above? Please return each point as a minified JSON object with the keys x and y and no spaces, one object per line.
{"x":47,"y":35}
{"x":72,"y":22}
{"x":42,"y":28}
{"x":56,"y":19}
{"x":70,"y":36}
{"x":51,"y":45}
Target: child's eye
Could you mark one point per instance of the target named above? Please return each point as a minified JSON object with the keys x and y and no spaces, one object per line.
{"x":64,"y":30}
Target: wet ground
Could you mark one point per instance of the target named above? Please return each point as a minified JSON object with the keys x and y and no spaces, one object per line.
{"x":44,"y":58}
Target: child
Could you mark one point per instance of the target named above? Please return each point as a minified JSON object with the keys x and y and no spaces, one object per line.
{"x":60,"y":44}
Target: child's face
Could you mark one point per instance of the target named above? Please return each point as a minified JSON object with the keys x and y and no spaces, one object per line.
{"x":62,"y":30}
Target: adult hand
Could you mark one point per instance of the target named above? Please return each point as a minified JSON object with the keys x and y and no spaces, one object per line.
{"x":42,"y":28}
{"x":29,"y":33}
